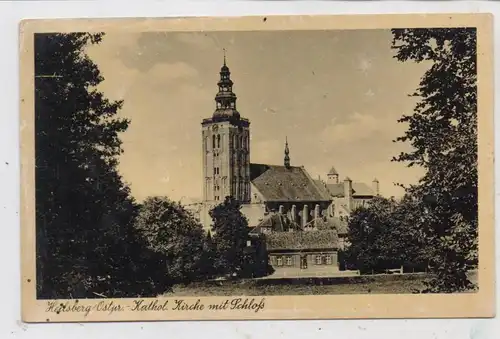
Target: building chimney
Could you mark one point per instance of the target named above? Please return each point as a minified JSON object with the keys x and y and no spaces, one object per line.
{"x":293,"y":213}
{"x":348,"y":193}
{"x":316,"y":215}
{"x":305,"y":215}
{"x":375,"y":186}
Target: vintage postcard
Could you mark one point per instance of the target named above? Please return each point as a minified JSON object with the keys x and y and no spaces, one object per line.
{"x":280,"y":167}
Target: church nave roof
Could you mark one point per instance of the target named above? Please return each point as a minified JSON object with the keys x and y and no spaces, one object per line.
{"x":279,"y":183}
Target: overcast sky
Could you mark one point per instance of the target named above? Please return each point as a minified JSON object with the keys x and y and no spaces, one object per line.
{"x":337,"y":95}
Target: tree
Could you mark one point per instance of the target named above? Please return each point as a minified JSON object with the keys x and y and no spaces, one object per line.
{"x":382,"y":236}
{"x":406,"y":235}
{"x":84,"y":212}
{"x":257,"y":258}
{"x":443,"y":134}
{"x":207,"y":265}
{"x":368,"y":236}
{"x":231,"y":234}
{"x":172,"y":231}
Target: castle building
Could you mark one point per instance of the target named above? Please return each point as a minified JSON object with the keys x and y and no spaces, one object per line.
{"x":275,"y":198}
{"x":347,"y":195}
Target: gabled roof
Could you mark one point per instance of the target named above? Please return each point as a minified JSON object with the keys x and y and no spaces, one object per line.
{"x":359,"y":189}
{"x":279,"y":183}
{"x":320,"y":184}
{"x":302,"y":240}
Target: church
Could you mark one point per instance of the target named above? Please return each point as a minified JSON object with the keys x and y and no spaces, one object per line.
{"x":277,"y":199}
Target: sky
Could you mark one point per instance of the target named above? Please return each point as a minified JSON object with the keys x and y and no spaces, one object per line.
{"x":336,"y":95}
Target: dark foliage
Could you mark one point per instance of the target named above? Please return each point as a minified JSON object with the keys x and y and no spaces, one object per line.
{"x":230,"y":229}
{"x":383,"y":236}
{"x":172,"y":232}
{"x":85,"y":244}
{"x":256,"y":259}
{"x":208,"y":259}
{"x":342,"y":260}
{"x":443,"y":134}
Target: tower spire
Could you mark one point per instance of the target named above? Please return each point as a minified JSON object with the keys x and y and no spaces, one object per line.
{"x":287,"y":153}
{"x":225,"y":99}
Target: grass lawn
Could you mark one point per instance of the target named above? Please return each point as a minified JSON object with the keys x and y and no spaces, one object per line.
{"x":378,"y":284}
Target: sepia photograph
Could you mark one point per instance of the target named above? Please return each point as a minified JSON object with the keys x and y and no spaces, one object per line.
{"x":211,"y":166}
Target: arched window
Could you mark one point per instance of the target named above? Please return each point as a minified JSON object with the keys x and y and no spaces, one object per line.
{"x":213,"y":141}
{"x":218,"y":140}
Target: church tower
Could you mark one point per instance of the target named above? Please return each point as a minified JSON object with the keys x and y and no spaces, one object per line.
{"x":226,"y":147}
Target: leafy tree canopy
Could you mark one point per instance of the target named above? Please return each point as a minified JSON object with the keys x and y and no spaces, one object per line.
{"x":443,"y":134}
{"x":230,"y":229}
{"x":83,"y":208}
{"x":384,"y":235}
{"x":171,"y":230}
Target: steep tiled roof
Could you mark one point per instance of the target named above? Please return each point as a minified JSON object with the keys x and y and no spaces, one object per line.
{"x":302,"y":240}
{"x":322,"y":187}
{"x":333,"y":223}
{"x":358,"y":188}
{"x":278,"y":183}
{"x":362,"y":189}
